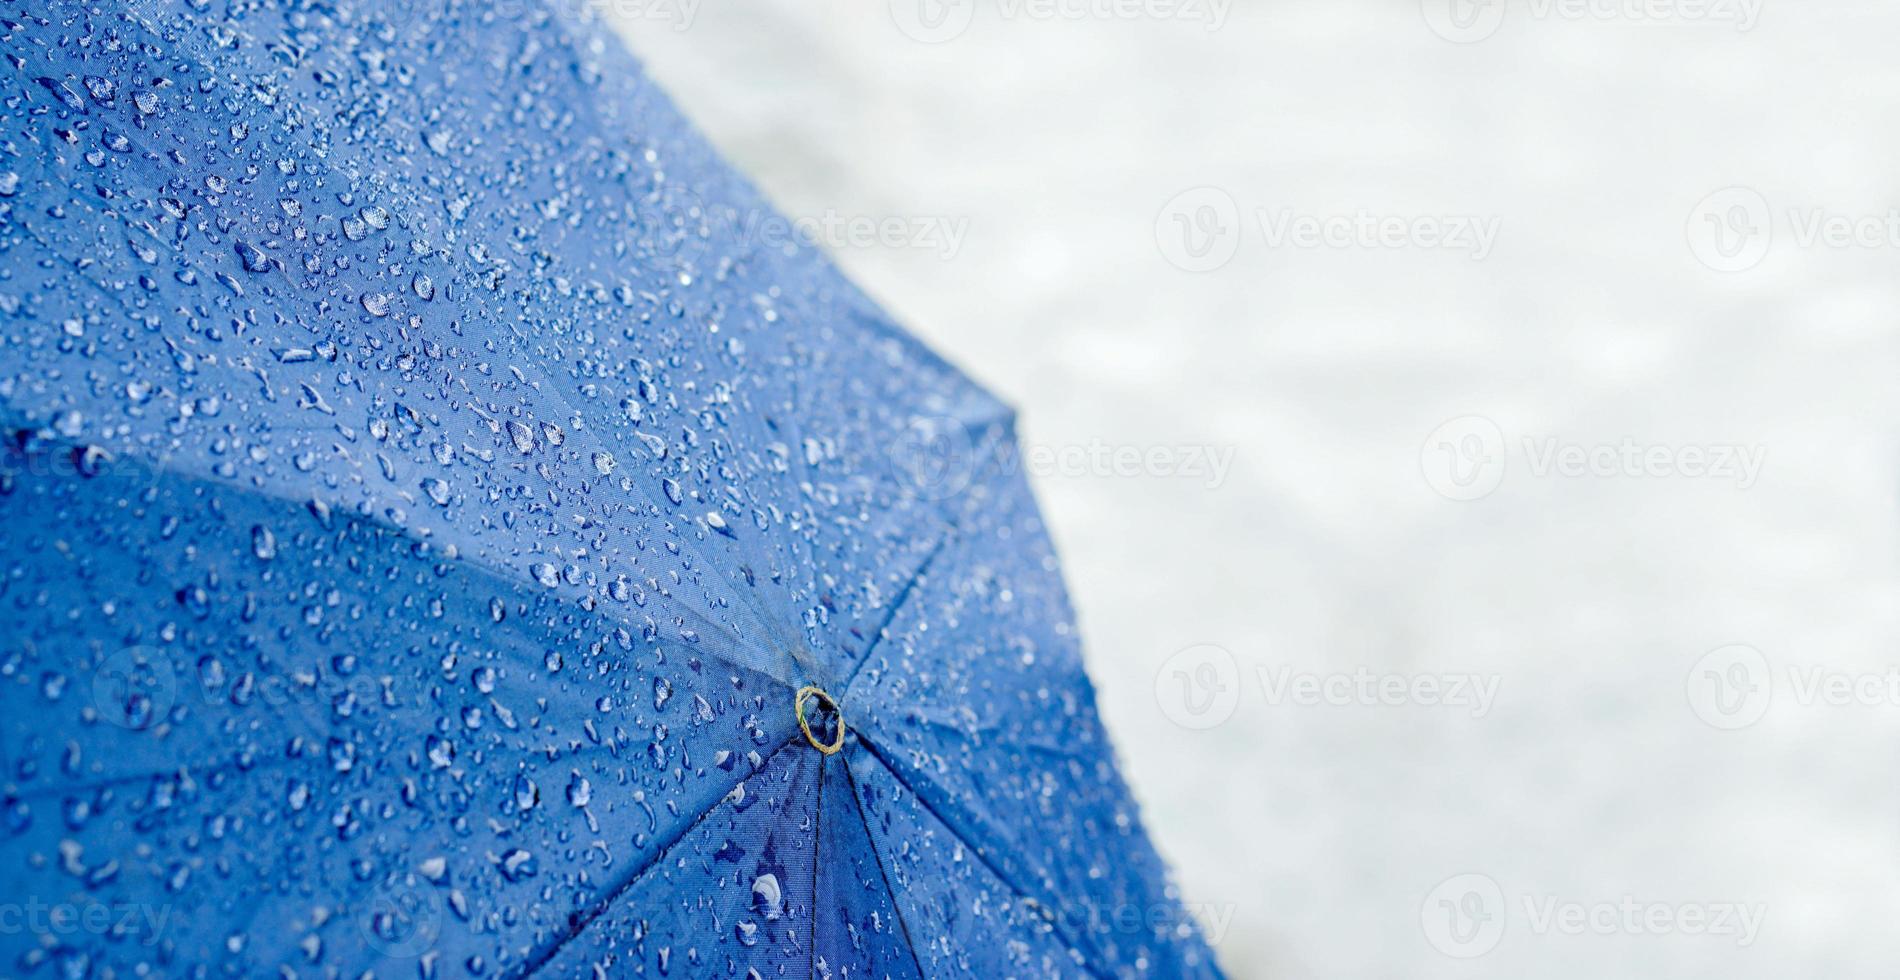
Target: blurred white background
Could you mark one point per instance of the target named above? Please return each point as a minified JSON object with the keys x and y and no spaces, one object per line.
{"x":1624,"y":803}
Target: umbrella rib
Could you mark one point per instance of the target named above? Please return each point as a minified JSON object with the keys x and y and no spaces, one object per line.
{"x":579,"y":924}
{"x":817,"y":841}
{"x":1009,"y":882}
{"x":910,"y":944}
{"x":489,"y":568}
{"x":897,"y":603}
{"x":985,"y":453}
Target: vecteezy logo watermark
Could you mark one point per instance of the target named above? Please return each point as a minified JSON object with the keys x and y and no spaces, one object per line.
{"x":934,"y":457}
{"x":1466,"y":459}
{"x":135,"y":688}
{"x":937,"y":21}
{"x":403,"y":916}
{"x":1465,"y":917}
{"x":933,"y":21}
{"x":119,"y":920}
{"x":1201,"y":686}
{"x":1732,"y":687}
{"x":1734,"y":229}
{"x":1463,"y":459}
{"x":1730,"y":230}
{"x":1470,"y":21}
{"x":1201,"y":229}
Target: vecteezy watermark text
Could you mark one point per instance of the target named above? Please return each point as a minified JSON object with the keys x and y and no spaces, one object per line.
{"x":1201,"y":229}
{"x":415,"y":18}
{"x":684,"y":225}
{"x":1466,"y":459}
{"x":937,"y":21}
{"x":835,"y":230}
{"x":1733,"y":686}
{"x":1467,"y":915}
{"x":1201,"y":686}
{"x":1205,"y":464}
{"x":938,"y":457}
{"x":125,"y":920}
{"x":1470,"y":21}
{"x":1735,"y":228}
{"x":1172,"y":919}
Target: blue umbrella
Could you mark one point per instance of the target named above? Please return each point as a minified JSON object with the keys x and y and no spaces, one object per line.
{"x":446,"y":538}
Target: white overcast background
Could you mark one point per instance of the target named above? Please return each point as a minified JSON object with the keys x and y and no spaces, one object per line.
{"x":1622,"y":448}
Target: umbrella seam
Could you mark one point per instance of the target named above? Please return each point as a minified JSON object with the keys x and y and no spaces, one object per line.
{"x":1055,"y":926}
{"x":877,"y":856}
{"x":482,"y":566}
{"x":535,"y":963}
{"x":817,"y":841}
{"x":896,"y":605}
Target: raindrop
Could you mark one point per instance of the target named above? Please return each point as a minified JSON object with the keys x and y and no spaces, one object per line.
{"x":254,"y":258}
{"x":522,"y":436}
{"x":527,"y":794}
{"x":766,"y":898}
{"x":263,"y":542}
{"x":517,"y":864}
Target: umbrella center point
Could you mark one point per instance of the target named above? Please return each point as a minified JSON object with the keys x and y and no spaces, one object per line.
{"x":819,"y":717}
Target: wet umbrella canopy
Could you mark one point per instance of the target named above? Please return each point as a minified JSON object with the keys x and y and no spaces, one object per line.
{"x":444,"y":539}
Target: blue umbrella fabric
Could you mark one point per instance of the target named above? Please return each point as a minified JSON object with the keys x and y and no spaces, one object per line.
{"x":445,"y":539}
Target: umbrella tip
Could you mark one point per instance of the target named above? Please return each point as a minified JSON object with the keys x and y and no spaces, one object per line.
{"x":823,"y":706}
